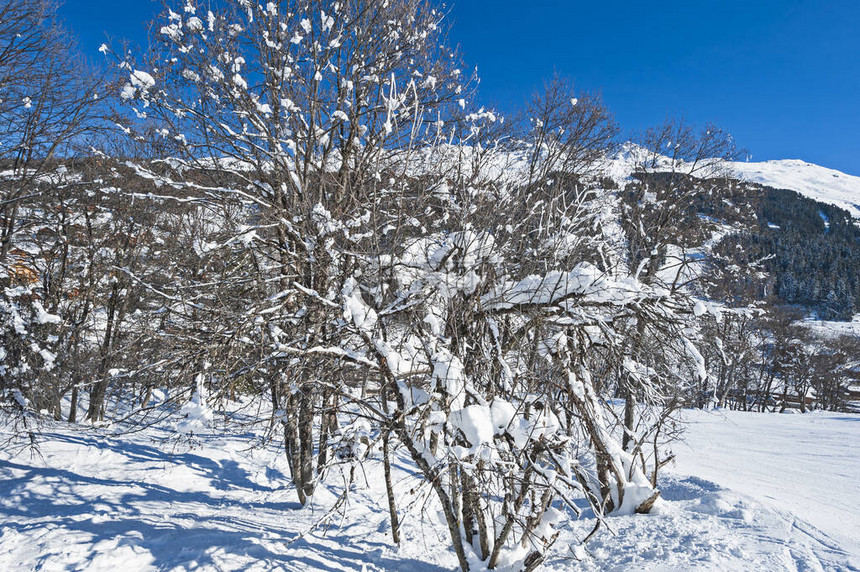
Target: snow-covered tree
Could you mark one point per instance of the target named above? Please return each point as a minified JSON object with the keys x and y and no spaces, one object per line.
{"x":376,"y":258}
{"x":303,"y":116}
{"x":48,"y":106}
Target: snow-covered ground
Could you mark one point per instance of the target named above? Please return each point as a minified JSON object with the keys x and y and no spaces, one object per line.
{"x":748,"y":492}
{"x":834,"y":329}
{"x":813,"y":181}
{"x":807,"y":466}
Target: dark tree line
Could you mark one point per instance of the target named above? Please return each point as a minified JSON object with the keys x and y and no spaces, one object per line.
{"x":809,"y":250}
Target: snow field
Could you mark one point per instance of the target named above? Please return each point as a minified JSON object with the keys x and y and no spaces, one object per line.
{"x":772,"y":492}
{"x":807,"y":465}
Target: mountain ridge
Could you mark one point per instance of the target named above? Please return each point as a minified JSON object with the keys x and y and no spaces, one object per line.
{"x":810,"y":180}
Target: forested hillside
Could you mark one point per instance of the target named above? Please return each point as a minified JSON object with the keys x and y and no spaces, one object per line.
{"x":810,"y":250}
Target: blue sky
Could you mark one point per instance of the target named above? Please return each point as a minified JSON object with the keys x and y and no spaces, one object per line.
{"x":782,"y":75}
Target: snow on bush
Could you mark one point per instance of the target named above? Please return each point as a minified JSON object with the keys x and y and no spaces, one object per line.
{"x":196,"y":414}
{"x":376,"y":256}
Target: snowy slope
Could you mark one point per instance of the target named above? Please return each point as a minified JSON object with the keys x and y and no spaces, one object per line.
{"x":807,"y":465}
{"x":813,"y":181}
{"x":771,"y":492}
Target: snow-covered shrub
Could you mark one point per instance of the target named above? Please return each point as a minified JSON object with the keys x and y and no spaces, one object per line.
{"x":27,"y":348}
{"x":383,"y":267}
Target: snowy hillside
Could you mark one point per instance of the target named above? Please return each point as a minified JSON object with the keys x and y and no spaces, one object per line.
{"x":810,"y":180}
{"x":767,"y":496}
{"x":813,"y":181}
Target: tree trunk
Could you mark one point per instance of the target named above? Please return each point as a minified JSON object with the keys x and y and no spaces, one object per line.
{"x":291,"y":447}
{"x":473,"y":501}
{"x":73,"y":408}
{"x":629,"y":417}
{"x":389,"y":489}
{"x":435,"y":479}
{"x":386,"y":467}
{"x":306,"y":442}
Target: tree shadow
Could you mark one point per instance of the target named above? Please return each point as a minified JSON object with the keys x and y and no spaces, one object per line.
{"x":229,"y":523}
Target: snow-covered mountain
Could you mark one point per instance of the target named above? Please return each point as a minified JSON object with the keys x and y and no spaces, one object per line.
{"x":813,"y":181}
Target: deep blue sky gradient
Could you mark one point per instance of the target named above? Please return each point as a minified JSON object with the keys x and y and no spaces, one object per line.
{"x":782,"y":75}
